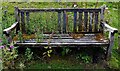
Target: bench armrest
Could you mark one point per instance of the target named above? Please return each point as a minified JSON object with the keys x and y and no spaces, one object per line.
{"x":112,"y":31}
{"x":109,"y":28}
{"x":8,"y":30}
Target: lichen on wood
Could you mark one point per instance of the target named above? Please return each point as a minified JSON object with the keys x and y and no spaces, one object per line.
{"x":99,"y":37}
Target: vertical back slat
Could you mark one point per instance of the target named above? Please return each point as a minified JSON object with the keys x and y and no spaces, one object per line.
{"x":91,"y":21}
{"x":27,"y":18}
{"x":17,"y":19}
{"x":96,"y":22}
{"x":102,"y":13}
{"x":75,"y":22}
{"x":80,"y":22}
{"x":59,"y":22}
{"x":64,"y":21}
{"x":23,"y":22}
{"x":85,"y":21}
{"x":101,"y":19}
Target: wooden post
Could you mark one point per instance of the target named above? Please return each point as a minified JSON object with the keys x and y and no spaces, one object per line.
{"x":102,"y":19}
{"x":109,"y":48}
{"x":102,"y":13}
{"x":17,"y":19}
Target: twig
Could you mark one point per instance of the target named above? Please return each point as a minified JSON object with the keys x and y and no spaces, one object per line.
{"x":50,"y":37}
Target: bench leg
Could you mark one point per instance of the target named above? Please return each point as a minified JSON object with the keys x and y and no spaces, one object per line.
{"x":108,"y":53}
{"x":109,"y":48}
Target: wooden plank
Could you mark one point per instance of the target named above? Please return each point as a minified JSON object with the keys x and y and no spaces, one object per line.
{"x":16,"y":13}
{"x":83,"y":32}
{"x":96,"y":22}
{"x":85,"y":21}
{"x":56,"y":35}
{"x":64,"y":22}
{"x":60,"y":9}
{"x":62,"y":44}
{"x":87,"y":38}
{"x":102,"y":13}
{"x":91,"y":21}
{"x":75,"y":22}
{"x":23,"y":22}
{"x":102,"y":19}
{"x":80,"y":22}
{"x":27,"y":18}
{"x":109,"y":28}
{"x":8,"y":30}
{"x":59,"y":22}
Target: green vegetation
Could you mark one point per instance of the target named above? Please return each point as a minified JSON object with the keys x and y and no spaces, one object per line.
{"x":48,"y":61}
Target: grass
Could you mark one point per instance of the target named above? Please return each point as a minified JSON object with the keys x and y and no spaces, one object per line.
{"x":112,"y":18}
{"x":60,"y":62}
{"x":55,"y":64}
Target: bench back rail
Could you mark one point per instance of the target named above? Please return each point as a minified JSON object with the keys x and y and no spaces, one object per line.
{"x":84,"y":20}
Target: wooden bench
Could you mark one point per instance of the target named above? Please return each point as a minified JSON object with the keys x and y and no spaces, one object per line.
{"x":88,"y":28}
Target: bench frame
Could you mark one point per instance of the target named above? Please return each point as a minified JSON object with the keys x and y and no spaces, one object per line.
{"x":104,"y":25}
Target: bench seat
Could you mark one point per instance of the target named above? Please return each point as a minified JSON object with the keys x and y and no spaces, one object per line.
{"x":66,"y":40}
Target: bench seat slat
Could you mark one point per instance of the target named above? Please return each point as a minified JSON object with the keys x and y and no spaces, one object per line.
{"x":67,"y":40}
{"x":62,"y":44}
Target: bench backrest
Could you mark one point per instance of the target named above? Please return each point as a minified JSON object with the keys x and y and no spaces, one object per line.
{"x":84,"y":20}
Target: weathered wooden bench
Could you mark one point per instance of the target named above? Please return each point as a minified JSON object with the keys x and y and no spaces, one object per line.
{"x":88,"y":28}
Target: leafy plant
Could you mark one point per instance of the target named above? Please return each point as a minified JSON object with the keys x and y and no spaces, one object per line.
{"x":20,"y":38}
{"x":9,"y":54}
{"x":65,"y":51}
{"x":85,"y":58}
{"x":4,"y":40}
{"x":48,"y":52}
{"x":28,"y":54}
